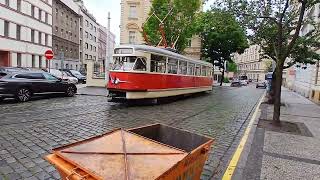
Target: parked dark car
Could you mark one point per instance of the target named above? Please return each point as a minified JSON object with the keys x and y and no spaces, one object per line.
{"x":261,"y":85}
{"x":235,"y":83}
{"x":81,"y":78}
{"x":22,"y":85}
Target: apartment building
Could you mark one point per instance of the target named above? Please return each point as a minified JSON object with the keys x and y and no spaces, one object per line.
{"x":25,"y":32}
{"x":252,"y":64}
{"x":104,"y":42}
{"x":133,"y":14}
{"x":66,"y":35}
{"x":305,"y":78}
{"x":88,"y":35}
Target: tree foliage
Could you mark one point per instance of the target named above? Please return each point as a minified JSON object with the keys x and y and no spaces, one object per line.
{"x":279,"y":27}
{"x":232,"y":67}
{"x":221,"y":37}
{"x":179,"y":26}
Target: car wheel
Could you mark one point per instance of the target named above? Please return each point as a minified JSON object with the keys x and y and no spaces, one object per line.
{"x":71,"y":91}
{"x":23,"y":95}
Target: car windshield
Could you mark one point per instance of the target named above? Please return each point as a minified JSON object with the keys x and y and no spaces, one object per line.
{"x":56,"y":73}
{"x":129,"y":63}
{"x":76,"y":73}
{"x":49,"y":76}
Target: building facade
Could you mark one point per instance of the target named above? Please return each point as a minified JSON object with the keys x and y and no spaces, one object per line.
{"x":66,"y":35}
{"x":133,"y":14}
{"x":25,"y":32}
{"x":88,"y":36}
{"x":305,"y":78}
{"x":104,"y":45}
{"x":252,"y":64}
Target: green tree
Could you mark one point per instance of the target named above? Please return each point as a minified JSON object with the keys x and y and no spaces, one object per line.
{"x":221,"y":37}
{"x":179,"y":23}
{"x":232,"y":67}
{"x":276,"y":26}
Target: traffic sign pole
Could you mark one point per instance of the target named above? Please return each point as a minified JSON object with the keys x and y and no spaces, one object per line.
{"x":49,"y":55}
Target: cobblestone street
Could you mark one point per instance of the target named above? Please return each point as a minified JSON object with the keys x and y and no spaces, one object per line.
{"x":28,"y":131}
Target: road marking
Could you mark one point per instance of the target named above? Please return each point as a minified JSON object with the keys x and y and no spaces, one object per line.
{"x":236,"y":156}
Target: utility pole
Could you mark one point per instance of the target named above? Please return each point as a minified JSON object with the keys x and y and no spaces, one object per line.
{"x":107,"y":60}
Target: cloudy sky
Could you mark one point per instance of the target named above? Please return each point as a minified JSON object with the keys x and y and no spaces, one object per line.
{"x":100,"y":9}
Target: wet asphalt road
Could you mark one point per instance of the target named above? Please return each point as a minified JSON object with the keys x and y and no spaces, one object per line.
{"x":28,"y":131}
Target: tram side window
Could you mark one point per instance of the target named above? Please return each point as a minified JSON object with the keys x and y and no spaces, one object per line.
{"x":172,"y":66}
{"x":190,"y":69}
{"x":198,"y":70}
{"x":209,"y":71}
{"x":203,"y":71}
{"x":182,"y":67}
{"x":158,"y":63}
{"x":140,"y":64}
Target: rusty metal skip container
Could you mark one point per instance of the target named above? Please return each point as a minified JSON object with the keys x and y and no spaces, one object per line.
{"x":149,"y":152}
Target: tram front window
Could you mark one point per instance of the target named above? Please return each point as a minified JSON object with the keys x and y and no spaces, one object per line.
{"x":129,"y":63}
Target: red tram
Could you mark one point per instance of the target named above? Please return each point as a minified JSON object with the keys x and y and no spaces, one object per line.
{"x":142,"y":72}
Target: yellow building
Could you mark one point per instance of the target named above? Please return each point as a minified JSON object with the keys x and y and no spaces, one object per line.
{"x":252,"y":64}
{"x":133,"y":15}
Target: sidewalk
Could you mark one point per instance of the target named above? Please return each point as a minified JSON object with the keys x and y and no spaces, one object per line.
{"x":270,"y":154}
{"x":91,"y":91}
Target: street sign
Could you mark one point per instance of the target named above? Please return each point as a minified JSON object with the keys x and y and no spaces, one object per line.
{"x":48,"y":54}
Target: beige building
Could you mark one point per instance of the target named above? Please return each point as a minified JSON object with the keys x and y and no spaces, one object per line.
{"x":305,"y":78}
{"x":133,"y":15}
{"x":252,"y":64}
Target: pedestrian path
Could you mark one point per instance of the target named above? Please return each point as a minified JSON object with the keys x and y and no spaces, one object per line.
{"x":92,"y":91}
{"x":270,"y":154}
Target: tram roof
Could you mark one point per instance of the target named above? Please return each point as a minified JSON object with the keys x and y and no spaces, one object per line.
{"x":161,"y":51}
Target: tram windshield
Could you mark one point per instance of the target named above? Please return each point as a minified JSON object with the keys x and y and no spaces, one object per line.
{"x":128,"y":63}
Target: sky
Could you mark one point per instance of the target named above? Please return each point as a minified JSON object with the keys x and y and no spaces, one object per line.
{"x":100,"y":9}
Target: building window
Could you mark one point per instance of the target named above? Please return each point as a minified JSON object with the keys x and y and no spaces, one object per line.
{"x":18,"y":32}
{"x":7,"y":3}
{"x":95,"y":39}
{"x":40,"y":62}
{"x":40,"y":37}
{"x":95,"y":29}
{"x":32,"y":35}
{"x":57,"y":12}
{"x":90,"y":36}
{"x":19,"y":5}
{"x":132,"y":37}
{"x":61,"y":32}
{"x":6,"y":28}
{"x":32,"y":10}
{"x":90,"y":56}
{"x":40,"y":14}
{"x":19,"y":59}
{"x":46,"y":39}
{"x":87,"y":35}
{"x":86,"y":56}
{"x":46,"y":17}
{"x":133,"y":11}
{"x":33,"y":61}
{"x":87,"y":23}
{"x":91,"y":26}
{"x":87,"y":46}
{"x":91,"y":47}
